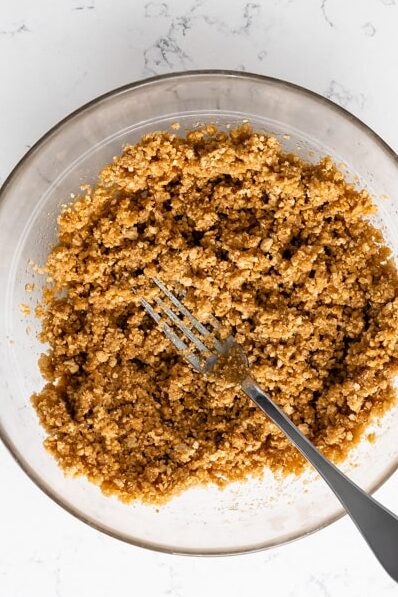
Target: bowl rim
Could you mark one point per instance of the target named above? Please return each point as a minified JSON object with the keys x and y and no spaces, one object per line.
{"x":387,"y":149}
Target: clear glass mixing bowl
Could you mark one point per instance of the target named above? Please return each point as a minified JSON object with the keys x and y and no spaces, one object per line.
{"x":245,"y":516}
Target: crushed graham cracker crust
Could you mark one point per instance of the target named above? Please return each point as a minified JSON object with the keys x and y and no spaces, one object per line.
{"x":280,"y":250}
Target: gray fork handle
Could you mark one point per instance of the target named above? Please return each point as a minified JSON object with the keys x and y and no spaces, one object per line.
{"x":378,"y":525}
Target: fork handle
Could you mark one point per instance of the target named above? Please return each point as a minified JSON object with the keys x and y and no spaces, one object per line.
{"x":378,"y":525}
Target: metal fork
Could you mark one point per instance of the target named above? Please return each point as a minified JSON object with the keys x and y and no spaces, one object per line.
{"x":205,"y":352}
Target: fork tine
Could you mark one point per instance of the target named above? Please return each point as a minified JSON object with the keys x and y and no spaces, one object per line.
{"x":150,"y":310}
{"x":214,"y":322}
{"x":185,"y":329}
{"x":178,"y":343}
{"x":200,"y":327}
{"x":168,"y":332}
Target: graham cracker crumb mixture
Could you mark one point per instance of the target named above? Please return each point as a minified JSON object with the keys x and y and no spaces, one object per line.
{"x":278,"y":249}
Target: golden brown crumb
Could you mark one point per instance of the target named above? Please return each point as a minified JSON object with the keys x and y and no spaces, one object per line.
{"x":278,"y":249}
{"x":175,"y":125}
{"x":29,"y":287}
{"x":25,"y":309}
{"x":37,"y":268}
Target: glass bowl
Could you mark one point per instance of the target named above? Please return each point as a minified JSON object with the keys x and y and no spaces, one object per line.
{"x":244,"y":516}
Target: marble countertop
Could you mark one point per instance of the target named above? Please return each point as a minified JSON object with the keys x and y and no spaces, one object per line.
{"x":55,"y":56}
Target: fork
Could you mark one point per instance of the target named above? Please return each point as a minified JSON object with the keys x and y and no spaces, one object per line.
{"x":207,"y":353}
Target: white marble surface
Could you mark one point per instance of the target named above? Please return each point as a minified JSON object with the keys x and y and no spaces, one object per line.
{"x":54,"y":56}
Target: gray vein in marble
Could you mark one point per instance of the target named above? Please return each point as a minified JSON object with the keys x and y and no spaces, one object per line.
{"x":262,"y":55}
{"x":156,"y":9}
{"x":79,"y":80}
{"x":344,"y":97}
{"x":181,"y":24}
{"x":369,"y":29}
{"x":84,"y":7}
{"x":269,"y":557}
{"x":325,"y":14}
{"x":214,"y":22}
{"x":174,"y":588}
{"x":197,"y":4}
{"x":166,"y":52}
{"x":250,"y":11}
{"x":57,"y":587}
{"x":321,"y":589}
{"x":18,"y":28}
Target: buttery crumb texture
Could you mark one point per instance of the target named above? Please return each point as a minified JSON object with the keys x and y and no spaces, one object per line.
{"x":278,"y":249}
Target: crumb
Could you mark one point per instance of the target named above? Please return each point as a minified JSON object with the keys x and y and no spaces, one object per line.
{"x":371,"y":437}
{"x":25,"y":309}
{"x":28,"y":330}
{"x":278,"y":249}
{"x":37,"y":268}
{"x":175,"y":125}
{"x":286,"y":137}
{"x":29,"y":287}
